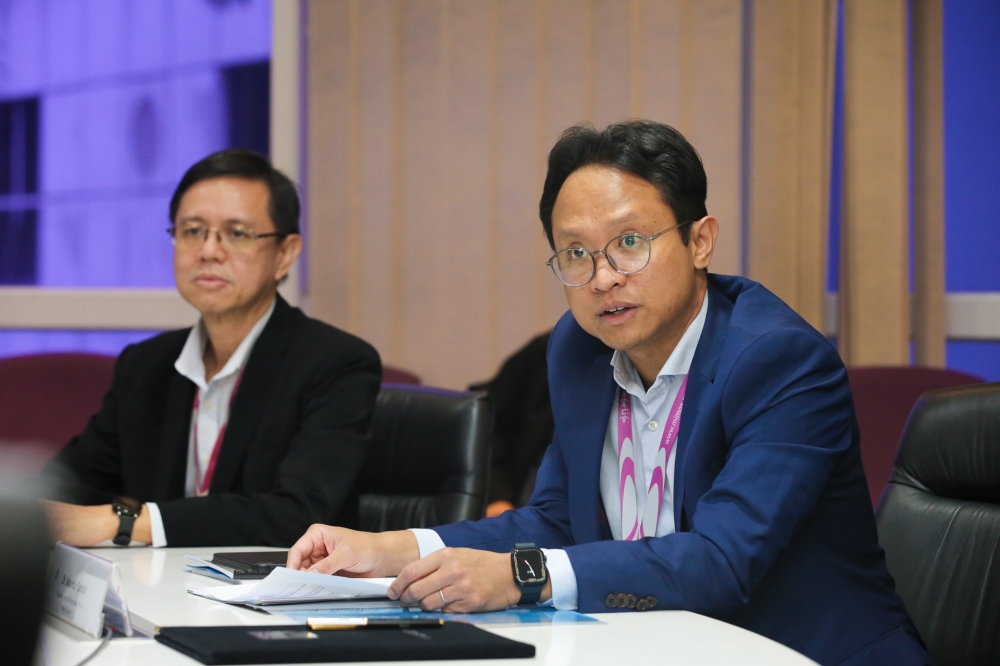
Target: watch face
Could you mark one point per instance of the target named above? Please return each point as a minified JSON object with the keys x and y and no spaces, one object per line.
{"x":529,"y":566}
{"x":127,"y":505}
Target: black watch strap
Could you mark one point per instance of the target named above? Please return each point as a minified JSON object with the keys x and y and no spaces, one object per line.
{"x":530,"y":594}
{"x":128,"y":510}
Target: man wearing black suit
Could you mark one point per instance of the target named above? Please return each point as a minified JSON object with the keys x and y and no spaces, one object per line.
{"x":244,"y":429}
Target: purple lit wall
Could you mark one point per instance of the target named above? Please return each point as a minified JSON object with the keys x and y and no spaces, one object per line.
{"x":129,"y":94}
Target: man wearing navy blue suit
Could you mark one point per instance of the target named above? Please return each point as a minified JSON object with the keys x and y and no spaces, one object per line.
{"x":706,"y":453}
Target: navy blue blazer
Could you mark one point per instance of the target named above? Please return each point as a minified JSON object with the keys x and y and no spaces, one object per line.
{"x":775,"y":530}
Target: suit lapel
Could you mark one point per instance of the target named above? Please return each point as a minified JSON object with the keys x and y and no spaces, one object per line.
{"x":174,"y":438}
{"x":253,"y":396}
{"x":585,"y":446}
{"x":701,"y":376}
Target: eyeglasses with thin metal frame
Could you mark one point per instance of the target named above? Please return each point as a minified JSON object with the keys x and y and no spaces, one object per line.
{"x":628,"y":253}
{"x":233,"y":237}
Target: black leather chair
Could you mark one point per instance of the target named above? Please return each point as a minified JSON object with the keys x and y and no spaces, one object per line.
{"x":429,"y":459}
{"x":939,"y":523}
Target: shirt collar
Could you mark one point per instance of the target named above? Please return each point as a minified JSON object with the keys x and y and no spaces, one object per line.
{"x":191,"y":363}
{"x":678,"y":363}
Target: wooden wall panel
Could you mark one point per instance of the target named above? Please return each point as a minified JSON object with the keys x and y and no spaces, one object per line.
{"x":429,"y":122}
{"x":930,"y":320}
{"x":328,"y":110}
{"x":566,"y":77}
{"x":370,"y":228}
{"x":790,"y":124}
{"x":711,"y":113}
{"x":874,"y":313}
{"x":611,"y":52}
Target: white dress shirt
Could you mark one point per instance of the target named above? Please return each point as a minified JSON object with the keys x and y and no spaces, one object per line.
{"x":213,"y":410}
{"x":650,"y":412}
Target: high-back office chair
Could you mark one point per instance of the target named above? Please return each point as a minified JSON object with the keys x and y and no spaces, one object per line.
{"x":429,"y":459}
{"x":883,"y":398}
{"x":46,"y":399}
{"x":939,"y":523}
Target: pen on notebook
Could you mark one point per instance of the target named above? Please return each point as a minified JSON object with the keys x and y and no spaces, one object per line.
{"x":324,"y":623}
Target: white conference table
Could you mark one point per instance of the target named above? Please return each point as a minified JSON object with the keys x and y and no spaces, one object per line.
{"x":156,"y":582}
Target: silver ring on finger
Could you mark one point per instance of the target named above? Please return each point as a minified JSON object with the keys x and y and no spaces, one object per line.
{"x":444,"y":602}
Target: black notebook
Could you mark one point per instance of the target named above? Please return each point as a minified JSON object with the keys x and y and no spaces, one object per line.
{"x":298,"y":644}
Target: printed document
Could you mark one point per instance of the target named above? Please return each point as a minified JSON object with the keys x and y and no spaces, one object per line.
{"x":284,"y":586}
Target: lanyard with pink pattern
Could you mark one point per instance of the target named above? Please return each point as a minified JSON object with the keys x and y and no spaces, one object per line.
{"x":202,"y":483}
{"x":632,"y":527}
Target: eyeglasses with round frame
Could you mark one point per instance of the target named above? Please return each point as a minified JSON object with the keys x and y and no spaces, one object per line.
{"x":233,"y":237}
{"x":627,"y":253}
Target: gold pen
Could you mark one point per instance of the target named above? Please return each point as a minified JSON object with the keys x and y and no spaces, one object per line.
{"x":332,"y":623}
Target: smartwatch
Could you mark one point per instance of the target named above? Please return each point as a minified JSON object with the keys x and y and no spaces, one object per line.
{"x":128,"y":509}
{"x":530,"y":574}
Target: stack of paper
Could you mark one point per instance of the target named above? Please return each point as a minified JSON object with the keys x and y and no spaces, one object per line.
{"x":284,"y":586}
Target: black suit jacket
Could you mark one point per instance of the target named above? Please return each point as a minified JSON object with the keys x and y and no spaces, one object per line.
{"x":293,"y":446}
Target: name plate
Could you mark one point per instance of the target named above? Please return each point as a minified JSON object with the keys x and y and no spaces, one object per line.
{"x":86,"y":591}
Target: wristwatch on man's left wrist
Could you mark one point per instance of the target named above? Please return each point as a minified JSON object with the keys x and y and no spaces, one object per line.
{"x":128,"y":509}
{"x":530,"y":573}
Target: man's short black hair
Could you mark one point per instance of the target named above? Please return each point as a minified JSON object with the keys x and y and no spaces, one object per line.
{"x":655,"y":152}
{"x":283,"y":204}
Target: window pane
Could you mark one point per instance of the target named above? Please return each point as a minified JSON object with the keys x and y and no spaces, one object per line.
{"x":102,"y":108}
{"x":18,"y":247}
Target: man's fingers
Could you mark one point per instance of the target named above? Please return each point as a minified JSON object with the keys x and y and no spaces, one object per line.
{"x":332,"y":563}
{"x":412,"y":572}
{"x":424,"y":587}
{"x":295,"y":555}
{"x":436,"y":601}
{"x":311,"y":546}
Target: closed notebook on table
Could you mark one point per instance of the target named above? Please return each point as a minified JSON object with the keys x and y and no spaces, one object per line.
{"x":298,"y":644}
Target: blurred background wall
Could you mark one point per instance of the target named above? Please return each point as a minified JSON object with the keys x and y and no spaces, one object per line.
{"x":849,"y":147}
{"x":429,"y":125}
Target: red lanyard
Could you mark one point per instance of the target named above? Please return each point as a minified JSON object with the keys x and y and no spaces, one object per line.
{"x":201,"y":488}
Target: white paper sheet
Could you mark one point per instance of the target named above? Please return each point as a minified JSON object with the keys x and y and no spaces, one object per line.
{"x":284,"y":586}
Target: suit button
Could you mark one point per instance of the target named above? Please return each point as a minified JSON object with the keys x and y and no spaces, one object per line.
{"x":645,"y":604}
{"x":611,"y":601}
{"x":632,"y":601}
{"x":622,"y":600}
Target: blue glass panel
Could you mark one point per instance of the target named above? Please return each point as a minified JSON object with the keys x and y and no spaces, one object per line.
{"x":22,"y":342}
{"x":837,"y":156}
{"x":972,"y":144}
{"x":978,"y":357}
